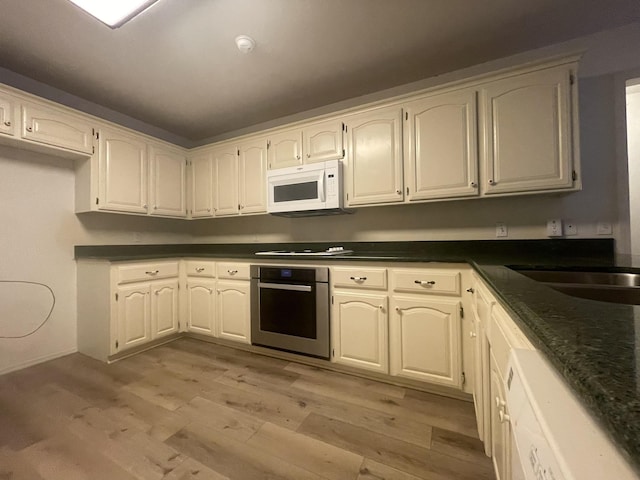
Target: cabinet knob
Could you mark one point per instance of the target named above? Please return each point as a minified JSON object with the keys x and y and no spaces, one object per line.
{"x":7,"y":123}
{"x":232,"y":272}
{"x":473,"y":184}
{"x":492,"y":182}
{"x":211,"y":290}
{"x":381,"y":308}
{"x":472,"y":334}
{"x":241,"y":207}
{"x":157,"y":292}
{"x":398,"y":309}
{"x":29,"y":129}
{"x":155,"y":207}
{"x":297,"y":157}
{"x":145,"y":206}
{"x":208,"y":210}
{"x":500,"y":403}
{"x":503,"y":417}
{"x":308,"y":155}
{"x":470,"y":290}
{"x":399,"y":192}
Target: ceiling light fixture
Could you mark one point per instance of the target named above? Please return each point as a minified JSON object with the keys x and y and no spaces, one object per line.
{"x":114,"y":13}
{"x":245,"y":43}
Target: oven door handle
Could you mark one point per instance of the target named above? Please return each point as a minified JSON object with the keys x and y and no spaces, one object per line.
{"x":284,"y":286}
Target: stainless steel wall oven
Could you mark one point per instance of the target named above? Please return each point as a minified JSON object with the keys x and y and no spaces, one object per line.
{"x":290,"y":308}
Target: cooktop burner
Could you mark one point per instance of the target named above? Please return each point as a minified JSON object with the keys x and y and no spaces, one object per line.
{"x":319,"y":253}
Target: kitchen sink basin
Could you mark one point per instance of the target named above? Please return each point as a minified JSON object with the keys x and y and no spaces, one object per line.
{"x":614,"y":287}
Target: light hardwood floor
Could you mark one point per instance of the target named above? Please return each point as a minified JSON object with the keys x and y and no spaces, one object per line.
{"x":194,"y":410}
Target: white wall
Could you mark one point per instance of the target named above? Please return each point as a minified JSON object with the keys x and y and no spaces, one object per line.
{"x":38,"y":230}
{"x":633,"y":142}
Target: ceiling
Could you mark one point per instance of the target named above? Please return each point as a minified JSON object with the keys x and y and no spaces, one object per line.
{"x":176,"y":67}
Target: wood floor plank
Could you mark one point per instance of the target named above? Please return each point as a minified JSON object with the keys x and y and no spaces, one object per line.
{"x":372,"y":470}
{"x":191,"y":469}
{"x":14,"y":467}
{"x":320,"y":457}
{"x":157,"y":421}
{"x":346,"y":382}
{"x":166,"y":389}
{"x":234,"y":423}
{"x":457,"y":445}
{"x":404,"y":456}
{"x":68,"y":457}
{"x":405,"y":429}
{"x":237,"y":460}
{"x":269,"y":406}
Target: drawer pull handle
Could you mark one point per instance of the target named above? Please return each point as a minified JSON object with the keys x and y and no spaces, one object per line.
{"x":500,"y":403}
{"x":232,"y":272}
{"x":424,"y":282}
{"x":472,"y":334}
{"x":154,"y":272}
{"x":358,"y":279}
{"x":199,"y":269}
{"x":504,"y":417}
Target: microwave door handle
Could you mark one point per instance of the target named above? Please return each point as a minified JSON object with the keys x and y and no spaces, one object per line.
{"x":321,"y":187}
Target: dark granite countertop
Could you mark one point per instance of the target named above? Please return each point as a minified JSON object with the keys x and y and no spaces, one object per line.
{"x":594,"y":345}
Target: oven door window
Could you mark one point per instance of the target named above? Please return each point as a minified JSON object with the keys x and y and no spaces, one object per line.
{"x":288,"y":312}
{"x":295,"y":191}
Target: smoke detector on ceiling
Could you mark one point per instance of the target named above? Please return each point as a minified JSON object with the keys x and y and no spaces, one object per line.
{"x":245,"y":43}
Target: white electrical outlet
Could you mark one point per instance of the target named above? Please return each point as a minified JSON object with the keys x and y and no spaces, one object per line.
{"x":604,"y":228}
{"x":501,"y":229}
{"x":570,"y":228}
{"x":554,"y":227}
{"x":136,"y":237}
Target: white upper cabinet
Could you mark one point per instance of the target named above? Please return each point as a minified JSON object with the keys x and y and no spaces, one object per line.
{"x":441,"y":158}
{"x":123,"y":171}
{"x":285,"y":149}
{"x":7,"y":114}
{"x":53,"y":127}
{"x":526,"y":123}
{"x":252,"y":176}
{"x":323,"y":141}
{"x":316,"y":142}
{"x":201,"y":185}
{"x":374,"y":157}
{"x":225,"y":186}
{"x":167,"y":181}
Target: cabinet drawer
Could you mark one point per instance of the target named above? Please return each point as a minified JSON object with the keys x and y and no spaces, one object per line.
{"x":147,"y":271}
{"x":200,"y":268}
{"x":238,"y":271}
{"x":441,"y":282}
{"x":365,"y":278}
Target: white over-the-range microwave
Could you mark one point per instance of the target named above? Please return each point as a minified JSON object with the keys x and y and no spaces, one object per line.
{"x":306,"y":190}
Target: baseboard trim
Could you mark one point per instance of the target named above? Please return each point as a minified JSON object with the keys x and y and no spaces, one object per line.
{"x":37,"y":360}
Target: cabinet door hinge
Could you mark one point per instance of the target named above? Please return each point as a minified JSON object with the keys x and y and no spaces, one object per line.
{"x":333,"y":352}
{"x":268,"y":144}
{"x":464,"y":378}
{"x":572,"y":79}
{"x":406,"y":115}
{"x":98,"y":135}
{"x":343,"y":126}
{"x":117,"y":344}
{"x":574,"y":175}
{"x":97,"y":201}
{"x":461,"y":311}
{"x":238,"y":150}
{"x":347,"y":197}
{"x":116,"y":297}
{"x":343,"y":153}
{"x":93,"y":149}
{"x":331,"y":299}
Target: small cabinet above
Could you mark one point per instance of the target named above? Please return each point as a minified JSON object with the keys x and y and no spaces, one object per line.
{"x":316,"y":142}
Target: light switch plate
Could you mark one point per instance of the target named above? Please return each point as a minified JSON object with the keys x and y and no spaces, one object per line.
{"x":501,"y":229}
{"x":570,"y":228}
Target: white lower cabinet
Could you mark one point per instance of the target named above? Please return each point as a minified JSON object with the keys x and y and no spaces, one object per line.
{"x":500,"y":426}
{"x":164,"y":308}
{"x":201,"y":306}
{"x":359,"y":325}
{"x":134,"y":315}
{"x":424,"y":340}
{"x":233,"y":310}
